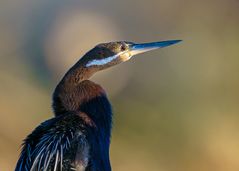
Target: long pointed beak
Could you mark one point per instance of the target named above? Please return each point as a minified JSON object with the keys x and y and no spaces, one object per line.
{"x":144,"y":47}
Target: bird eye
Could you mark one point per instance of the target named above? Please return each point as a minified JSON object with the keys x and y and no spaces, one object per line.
{"x":101,"y":53}
{"x":123,"y":48}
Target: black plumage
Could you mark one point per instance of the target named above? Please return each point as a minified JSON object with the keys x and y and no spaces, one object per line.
{"x":71,"y":141}
{"x":78,"y":137}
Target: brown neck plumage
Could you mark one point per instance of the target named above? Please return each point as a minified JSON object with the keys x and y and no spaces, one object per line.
{"x":77,"y":74}
{"x":68,"y":91}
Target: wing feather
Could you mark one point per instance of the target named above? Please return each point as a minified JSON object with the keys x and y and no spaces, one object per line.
{"x":44,"y":149}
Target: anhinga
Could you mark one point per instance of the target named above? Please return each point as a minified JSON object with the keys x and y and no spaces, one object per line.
{"x":78,"y":137}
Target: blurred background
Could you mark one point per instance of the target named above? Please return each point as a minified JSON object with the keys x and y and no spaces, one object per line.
{"x":175,"y":109}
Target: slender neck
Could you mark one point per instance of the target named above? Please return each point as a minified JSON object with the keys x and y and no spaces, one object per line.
{"x":67,"y":90}
{"x":76,"y":74}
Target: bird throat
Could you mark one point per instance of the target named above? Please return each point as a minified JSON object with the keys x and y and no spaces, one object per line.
{"x":75,"y":89}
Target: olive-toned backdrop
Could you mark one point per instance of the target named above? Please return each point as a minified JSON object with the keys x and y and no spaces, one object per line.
{"x":175,"y":109}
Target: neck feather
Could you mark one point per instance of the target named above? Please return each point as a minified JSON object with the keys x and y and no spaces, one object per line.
{"x":65,"y":94}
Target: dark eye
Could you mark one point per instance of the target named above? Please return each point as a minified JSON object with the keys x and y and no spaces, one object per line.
{"x":123,"y":48}
{"x":101,"y":53}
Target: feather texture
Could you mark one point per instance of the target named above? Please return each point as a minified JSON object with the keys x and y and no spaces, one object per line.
{"x":76,"y":138}
{"x":49,"y":143}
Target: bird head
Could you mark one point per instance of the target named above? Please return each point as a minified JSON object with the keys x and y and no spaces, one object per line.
{"x":109,"y":54}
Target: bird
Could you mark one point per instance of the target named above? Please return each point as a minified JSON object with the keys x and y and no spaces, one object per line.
{"x":77,"y":137}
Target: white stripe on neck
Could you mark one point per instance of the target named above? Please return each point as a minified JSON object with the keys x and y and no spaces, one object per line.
{"x":103,"y":61}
